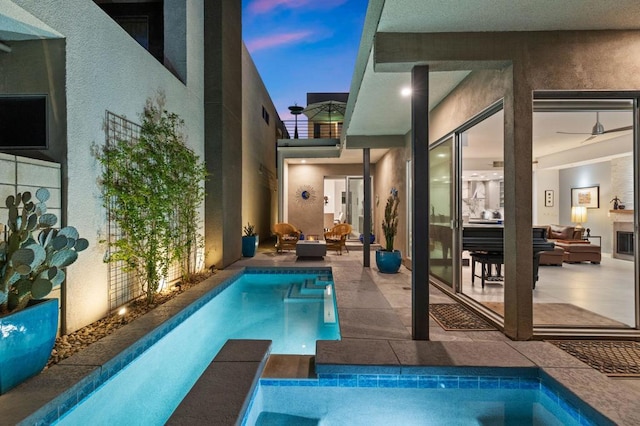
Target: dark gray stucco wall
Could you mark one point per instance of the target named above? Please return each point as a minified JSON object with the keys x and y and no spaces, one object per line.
{"x":223,"y":131}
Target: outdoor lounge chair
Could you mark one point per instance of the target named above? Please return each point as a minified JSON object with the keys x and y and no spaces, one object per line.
{"x":287,"y":235}
{"x":336,"y":237}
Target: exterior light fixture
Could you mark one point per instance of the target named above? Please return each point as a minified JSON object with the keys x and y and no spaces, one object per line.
{"x":406,"y":91}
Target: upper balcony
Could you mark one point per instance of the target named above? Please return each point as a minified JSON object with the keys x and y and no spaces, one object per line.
{"x":310,"y":130}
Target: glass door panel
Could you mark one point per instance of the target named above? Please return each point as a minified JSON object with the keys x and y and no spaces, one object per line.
{"x":481,"y":150}
{"x":441,"y":190}
{"x":583,"y":152}
{"x":355,"y":204}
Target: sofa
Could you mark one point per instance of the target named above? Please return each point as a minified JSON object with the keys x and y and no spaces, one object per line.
{"x":569,"y":247}
{"x":563,"y":232}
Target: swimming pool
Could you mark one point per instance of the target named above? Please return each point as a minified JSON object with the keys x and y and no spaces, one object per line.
{"x":387,"y":399}
{"x":293,"y":307}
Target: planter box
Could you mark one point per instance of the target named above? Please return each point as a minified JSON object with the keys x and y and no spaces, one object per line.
{"x":27,"y":339}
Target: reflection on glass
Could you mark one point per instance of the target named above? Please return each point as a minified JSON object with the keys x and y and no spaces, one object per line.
{"x":441,"y":205}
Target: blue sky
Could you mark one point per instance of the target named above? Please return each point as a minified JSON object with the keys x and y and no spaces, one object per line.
{"x":302,"y":46}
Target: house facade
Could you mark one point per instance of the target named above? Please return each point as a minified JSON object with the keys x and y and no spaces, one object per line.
{"x":88,"y":63}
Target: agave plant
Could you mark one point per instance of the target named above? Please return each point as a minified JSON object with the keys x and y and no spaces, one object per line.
{"x":249,"y":230}
{"x":31,"y":266}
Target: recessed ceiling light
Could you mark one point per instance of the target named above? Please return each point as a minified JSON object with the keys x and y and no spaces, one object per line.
{"x":303,"y":161}
{"x":406,"y":91}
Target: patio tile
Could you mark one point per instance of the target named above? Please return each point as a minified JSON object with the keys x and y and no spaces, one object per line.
{"x":479,"y":354}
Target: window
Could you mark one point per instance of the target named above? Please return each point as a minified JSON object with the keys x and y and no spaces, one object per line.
{"x":265,"y":115}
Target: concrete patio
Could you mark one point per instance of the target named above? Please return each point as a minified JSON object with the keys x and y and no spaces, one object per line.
{"x":375,"y":318}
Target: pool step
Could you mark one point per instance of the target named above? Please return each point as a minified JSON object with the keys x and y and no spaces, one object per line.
{"x":269,"y":418}
{"x":310,"y":285}
{"x":297,"y":294}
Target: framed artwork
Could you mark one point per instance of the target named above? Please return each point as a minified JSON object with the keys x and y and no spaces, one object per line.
{"x":548,"y":198}
{"x":588,"y":197}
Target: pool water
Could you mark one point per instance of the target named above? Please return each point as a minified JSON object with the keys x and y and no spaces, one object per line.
{"x":293,"y":310}
{"x":410,"y":400}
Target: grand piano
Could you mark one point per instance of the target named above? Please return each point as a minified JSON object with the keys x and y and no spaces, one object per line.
{"x":490,"y":240}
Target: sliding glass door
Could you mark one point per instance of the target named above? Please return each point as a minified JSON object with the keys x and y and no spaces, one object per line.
{"x":584,"y":171}
{"x":441,"y":219}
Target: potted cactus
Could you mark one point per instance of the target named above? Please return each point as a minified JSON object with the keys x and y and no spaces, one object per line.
{"x":30,"y":267}
{"x":388,"y":260}
{"x":249,"y":241}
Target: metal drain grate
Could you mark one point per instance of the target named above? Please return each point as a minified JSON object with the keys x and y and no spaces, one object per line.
{"x":613,"y":358}
{"x":454,"y":317}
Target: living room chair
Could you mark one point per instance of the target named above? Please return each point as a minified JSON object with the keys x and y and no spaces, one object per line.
{"x":336,"y":237}
{"x":288,"y":236}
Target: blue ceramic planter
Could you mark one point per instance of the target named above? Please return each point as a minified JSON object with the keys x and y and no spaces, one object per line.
{"x":27,"y":339}
{"x":388,"y":262}
{"x":249,"y":246}
{"x":372,"y":238}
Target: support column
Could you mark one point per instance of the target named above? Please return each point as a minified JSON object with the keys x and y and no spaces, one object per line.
{"x":420,"y":214}
{"x":223,"y":131}
{"x":366,"y":235}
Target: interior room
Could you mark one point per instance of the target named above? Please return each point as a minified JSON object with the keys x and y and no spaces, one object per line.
{"x":583,"y":184}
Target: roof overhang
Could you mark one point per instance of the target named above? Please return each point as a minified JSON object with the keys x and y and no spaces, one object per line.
{"x":16,"y":24}
{"x":397,"y":32}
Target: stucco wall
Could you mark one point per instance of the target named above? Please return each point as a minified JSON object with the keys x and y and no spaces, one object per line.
{"x":391,"y":172}
{"x":309,"y":215}
{"x":259,"y":176}
{"x":107,"y":70}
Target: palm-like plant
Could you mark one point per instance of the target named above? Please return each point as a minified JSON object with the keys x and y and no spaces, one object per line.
{"x":390,"y":221}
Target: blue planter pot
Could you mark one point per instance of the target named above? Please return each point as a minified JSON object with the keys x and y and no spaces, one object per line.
{"x":27,"y":339}
{"x":249,"y":246}
{"x":388,"y":262}
{"x":372,"y":238}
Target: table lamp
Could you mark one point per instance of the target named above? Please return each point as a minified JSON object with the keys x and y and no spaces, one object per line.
{"x":578,"y":215}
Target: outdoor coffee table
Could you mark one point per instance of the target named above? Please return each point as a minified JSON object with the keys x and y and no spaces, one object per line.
{"x":311,"y":248}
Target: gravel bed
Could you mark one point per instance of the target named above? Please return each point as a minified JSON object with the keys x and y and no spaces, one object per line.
{"x":69,"y":344}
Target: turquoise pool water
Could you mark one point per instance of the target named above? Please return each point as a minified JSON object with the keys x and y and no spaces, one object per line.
{"x":371,"y":399}
{"x":292,"y":309}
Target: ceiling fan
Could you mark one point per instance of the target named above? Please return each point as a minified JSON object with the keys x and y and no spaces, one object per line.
{"x":597,"y":130}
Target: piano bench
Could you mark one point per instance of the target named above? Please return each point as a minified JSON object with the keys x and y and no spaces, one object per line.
{"x":486,"y":260}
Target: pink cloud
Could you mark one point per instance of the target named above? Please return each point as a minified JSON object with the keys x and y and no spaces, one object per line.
{"x":264,"y":6}
{"x":277,"y":40}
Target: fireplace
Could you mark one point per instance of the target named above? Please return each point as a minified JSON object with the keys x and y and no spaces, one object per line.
{"x":623,"y":241}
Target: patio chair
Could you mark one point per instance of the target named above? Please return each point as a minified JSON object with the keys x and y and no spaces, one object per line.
{"x":336,"y":237}
{"x":287,"y":235}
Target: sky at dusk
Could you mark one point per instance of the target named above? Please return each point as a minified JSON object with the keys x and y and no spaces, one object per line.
{"x":302,"y":46}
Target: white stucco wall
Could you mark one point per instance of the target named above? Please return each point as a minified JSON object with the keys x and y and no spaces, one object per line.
{"x":107,"y":70}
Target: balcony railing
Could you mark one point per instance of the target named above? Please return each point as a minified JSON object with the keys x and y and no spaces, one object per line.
{"x":311,"y":130}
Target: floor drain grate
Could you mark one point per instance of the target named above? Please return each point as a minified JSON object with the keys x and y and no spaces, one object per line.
{"x":454,"y":317}
{"x":613,"y":358}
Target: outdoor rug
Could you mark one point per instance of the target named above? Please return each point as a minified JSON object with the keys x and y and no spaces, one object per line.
{"x":455,"y":317}
{"x":613,"y":358}
{"x":562,"y":314}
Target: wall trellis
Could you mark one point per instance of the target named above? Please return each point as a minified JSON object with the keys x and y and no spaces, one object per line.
{"x":123,"y":285}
